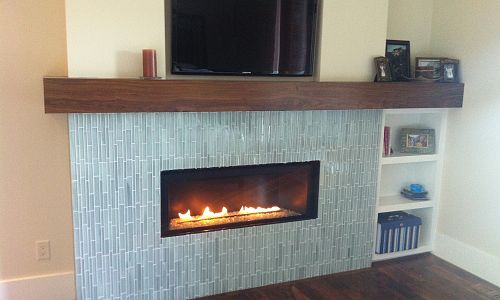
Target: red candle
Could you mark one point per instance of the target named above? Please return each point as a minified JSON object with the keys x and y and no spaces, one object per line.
{"x":148,"y":63}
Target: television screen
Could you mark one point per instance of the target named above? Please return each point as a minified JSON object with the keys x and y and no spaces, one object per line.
{"x":243,"y":37}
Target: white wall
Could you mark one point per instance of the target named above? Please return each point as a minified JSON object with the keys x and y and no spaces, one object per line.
{"x":469,"y":222}
{"x":470,"y":209}
{"x":105,"y":38}
{"x":58,"y":286}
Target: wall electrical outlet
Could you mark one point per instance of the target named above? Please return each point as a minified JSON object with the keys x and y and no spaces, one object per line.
{"x":43,"y":250}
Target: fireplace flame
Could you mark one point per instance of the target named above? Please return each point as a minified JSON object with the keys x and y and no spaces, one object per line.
{"x":252,"y":210}
{"x":209,"y":214}
{"x":186,"y":216}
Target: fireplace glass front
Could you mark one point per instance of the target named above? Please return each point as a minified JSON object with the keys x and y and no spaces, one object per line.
{"x":200,"y":200}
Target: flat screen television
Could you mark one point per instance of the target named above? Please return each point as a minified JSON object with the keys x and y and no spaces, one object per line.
{"x":243,"y":37}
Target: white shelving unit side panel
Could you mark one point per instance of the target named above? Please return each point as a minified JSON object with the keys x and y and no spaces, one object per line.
{"x":441,"y":145}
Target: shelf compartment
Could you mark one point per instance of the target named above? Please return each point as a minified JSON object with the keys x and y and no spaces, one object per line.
{"x":397,"y":202}
{"x":419,"y":120}
{"x":402,"y":158}
{"x":426,"y":235}
{"x":396,"y":176}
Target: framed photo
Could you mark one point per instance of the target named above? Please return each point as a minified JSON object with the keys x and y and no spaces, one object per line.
{"x":424,"y":65}
{"x":449,"y":70}
{"x":425,"y":73}
{"x":418,"y":141}
{"x":383,"y":69}
{"x":398,"y":54}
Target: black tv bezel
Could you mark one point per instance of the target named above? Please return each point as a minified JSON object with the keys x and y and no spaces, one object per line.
{"x":172,"y":46}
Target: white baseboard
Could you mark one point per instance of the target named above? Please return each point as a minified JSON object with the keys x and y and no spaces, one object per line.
{"x":60,"y":286}
{"x":473,"y":260}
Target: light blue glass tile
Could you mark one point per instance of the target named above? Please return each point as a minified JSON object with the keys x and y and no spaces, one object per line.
{"x":115,"y":164}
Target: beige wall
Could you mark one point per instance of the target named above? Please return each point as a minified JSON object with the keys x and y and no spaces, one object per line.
{"x":104,"y":41}
{"x":105,"y":38}
{"x":35,"y":202}
{"x":470,"y":210}
{"x":412,"y":21}
{"x":352,"y":33}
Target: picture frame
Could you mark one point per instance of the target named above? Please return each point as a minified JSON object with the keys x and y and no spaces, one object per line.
{"x":398,"y":54}
{"x":425,"y":73}
{"x":417,"y":141}
{"x":423,"y":65}
{"x":383,"y":69}
{"x":449,"y":70}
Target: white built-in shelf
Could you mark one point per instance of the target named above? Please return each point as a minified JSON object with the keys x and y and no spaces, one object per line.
{"x":401,"y":169}
{"x":402,"y":158}
{"x":397,"y":202}
{"x":385,"y":256}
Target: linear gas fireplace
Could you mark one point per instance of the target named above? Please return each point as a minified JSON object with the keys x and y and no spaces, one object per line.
{"x":200,"y":200}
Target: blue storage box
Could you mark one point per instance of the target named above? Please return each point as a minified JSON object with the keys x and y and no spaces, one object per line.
{"x":397,"y":231}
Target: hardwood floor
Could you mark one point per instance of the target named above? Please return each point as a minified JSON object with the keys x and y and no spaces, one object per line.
{"x":418,"y":277}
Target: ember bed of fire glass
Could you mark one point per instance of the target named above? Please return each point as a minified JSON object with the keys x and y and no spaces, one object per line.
{"x":200,"y":200}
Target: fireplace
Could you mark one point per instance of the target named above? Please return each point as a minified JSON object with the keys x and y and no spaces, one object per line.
{"x":200,"y":200}
{"x":117,"y":162}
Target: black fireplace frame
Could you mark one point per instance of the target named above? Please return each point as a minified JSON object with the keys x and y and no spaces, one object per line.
{"x":312,"y":196}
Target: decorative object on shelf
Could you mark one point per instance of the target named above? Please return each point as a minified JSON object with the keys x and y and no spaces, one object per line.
{"x":418,"y":141}
{"x":397,"y":231}
{"x":149,"y":64}
{"x":425,"y":74}
{"x":449,"y":70}
{"x":398,"y":54}
{"x":415,"y":192}
{"x":428,"y":67}
{"x":416,"y":188}
{"x":383,"y":69}
{"x":387,"y":140}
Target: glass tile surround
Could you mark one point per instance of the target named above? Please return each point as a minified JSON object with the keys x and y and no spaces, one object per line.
{"x":116,"y":161}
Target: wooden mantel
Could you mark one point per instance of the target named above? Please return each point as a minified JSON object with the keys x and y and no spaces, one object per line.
{"x":82,"y":95}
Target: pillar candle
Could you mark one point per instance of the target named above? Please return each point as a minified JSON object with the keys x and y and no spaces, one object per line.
{"x":148,"y":63}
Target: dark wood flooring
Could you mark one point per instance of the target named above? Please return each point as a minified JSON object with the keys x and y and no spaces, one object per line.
{"x":418,"y":277}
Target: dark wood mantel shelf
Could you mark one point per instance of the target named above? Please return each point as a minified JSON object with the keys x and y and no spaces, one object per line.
{"x":82,"y":95}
